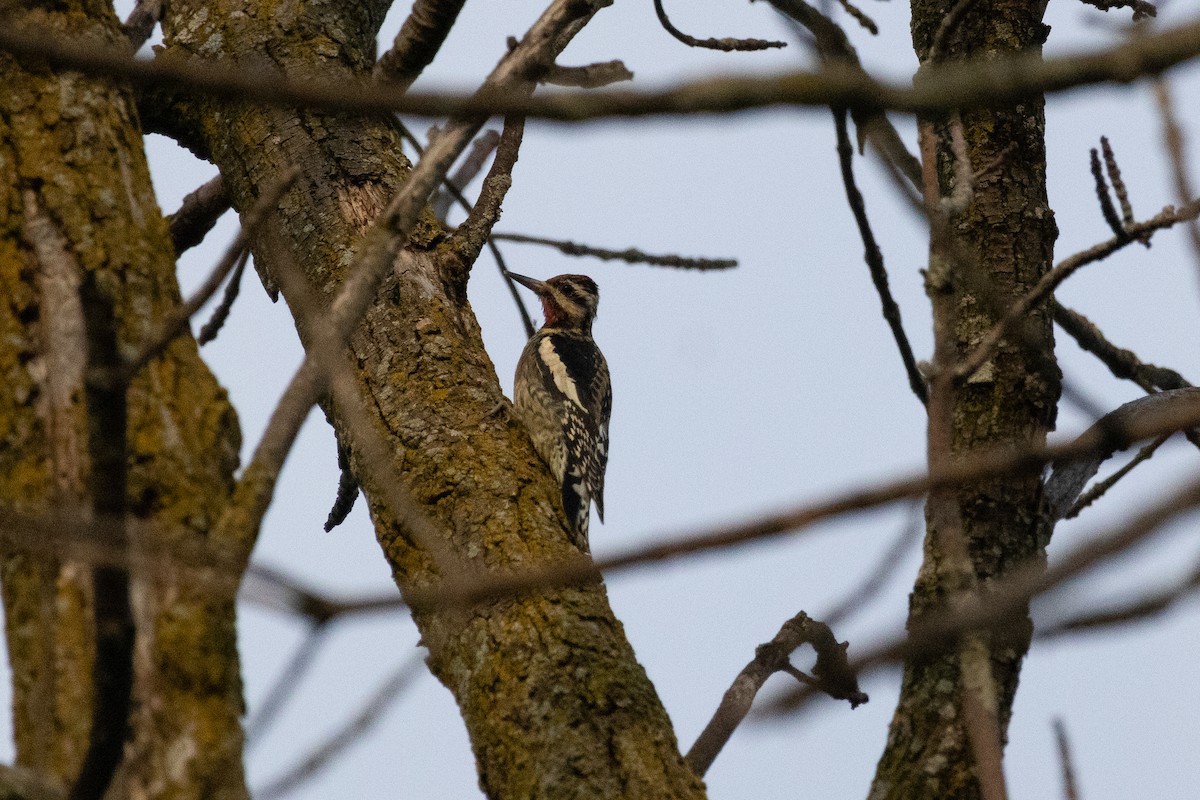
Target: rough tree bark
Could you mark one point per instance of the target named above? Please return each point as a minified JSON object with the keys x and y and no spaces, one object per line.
{"x":553,"y":698}
{"x":1006,"y":237}
{"x":77,"y":208}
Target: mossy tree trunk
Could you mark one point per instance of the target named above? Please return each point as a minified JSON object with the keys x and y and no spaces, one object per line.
{"x":77,"y":208}
{"x":553,"y":698}
{"x":1004,"y":241}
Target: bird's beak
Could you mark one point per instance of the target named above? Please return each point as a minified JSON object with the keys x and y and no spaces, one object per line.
{"x":528,"y":283}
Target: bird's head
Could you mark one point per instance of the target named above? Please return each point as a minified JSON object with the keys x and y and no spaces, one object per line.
{"x":568,"y":301}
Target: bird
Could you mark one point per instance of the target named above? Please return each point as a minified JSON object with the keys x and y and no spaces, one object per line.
{"x":563,"y":395}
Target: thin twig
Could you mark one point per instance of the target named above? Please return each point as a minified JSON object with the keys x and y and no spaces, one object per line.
{"x":1173,"y":140}
{"x":353,"y":731}
{"x":210,"y":329}
{"x":1131,"y":612}
{"x":481,"y":149}
{"x":630,"y":255}
{"x":727,"y":44}
{"x":1070,"y":792}
{"x":177,"y":320}
{"x":285,"y":683}
{"x":859,"y":17}
{"x":874,"y":259}
{"x":1098,"y":491}
{"x":1102,"y":195}
{"x":1121,"y":362}
{"x":1167,"y":218}
{"x":877,"y":578}
{"x":1114,"y":175}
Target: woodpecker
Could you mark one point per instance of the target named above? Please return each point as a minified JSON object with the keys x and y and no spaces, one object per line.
{"x":563,"y":395}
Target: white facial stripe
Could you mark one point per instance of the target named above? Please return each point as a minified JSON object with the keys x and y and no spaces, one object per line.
{"x":558,"y":370}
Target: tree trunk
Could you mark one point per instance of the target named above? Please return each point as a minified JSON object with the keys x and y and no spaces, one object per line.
{"x":78,"y":209}
{"x":1005,"y":241}
{"x":554,"y":700}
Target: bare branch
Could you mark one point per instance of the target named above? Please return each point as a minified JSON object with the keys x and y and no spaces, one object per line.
{"x":472,"y":163}
{"x":1141,"y":9}
{"x":177,"y":321}
{"x":958,"y":85}
{"x":589,"y":76}
{"x":1007,"y":598}
{"x":470,"y":237}
{"x":1064,"y":759}
{"x":1098,"y":490}
{"x":859,"y":17}
{"x":728,"y":44}
{"x":141,"y":21}
{"x":1173,"y":139}
{"x":630,"y":255}
{"x":418,"y":41}
{"x":833,"y":678}
{"x":1121,"y":362}
{"x":1106,"y":205}
{"x":198,"y":214}
{"x":874,"y":259}
{"x":461,"y":199}
{"x":210,"y":329}
{"x":353,"y":731}
{"x":1167,"y":218}
{"x":947,"y":29}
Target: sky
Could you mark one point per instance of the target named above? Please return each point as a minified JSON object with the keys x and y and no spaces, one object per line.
{"x":743,"y":392}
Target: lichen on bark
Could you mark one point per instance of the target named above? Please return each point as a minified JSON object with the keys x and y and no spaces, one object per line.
{"x":77,"y":201}
{"x":1007,"y":236}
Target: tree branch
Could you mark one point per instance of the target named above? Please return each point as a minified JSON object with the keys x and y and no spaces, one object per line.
{"x":943,"y":87}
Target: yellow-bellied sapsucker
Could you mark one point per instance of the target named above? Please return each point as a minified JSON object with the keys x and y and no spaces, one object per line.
{"x":563,"y":395}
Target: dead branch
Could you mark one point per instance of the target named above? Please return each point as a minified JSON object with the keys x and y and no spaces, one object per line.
{"x":210,"y":329}
{"x":874,"y":259}
{"x":198,"y":214}
{"x":831,"y":676}
{"x":1167,"y":218}
{"x":1065,"y":761}
{"x":630,"y":255}
{"x":959,"y":85}
{"x":418,"y":41}
{"x":1121,"y":362}
{"x":727,"y":45}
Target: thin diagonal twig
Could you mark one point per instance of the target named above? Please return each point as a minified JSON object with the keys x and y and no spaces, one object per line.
{"x":874,"y":259}
{"x":178,"y":319}
{"x":349,"y":733}
{"x":210,"y":329}
{"x":1167,"y":218}
{"x":727,"y":44}
{"x":630,"y":255}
